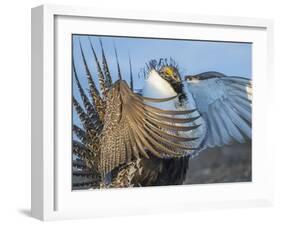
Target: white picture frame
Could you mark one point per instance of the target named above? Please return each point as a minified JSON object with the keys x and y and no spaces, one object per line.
{"x":52,"y":197}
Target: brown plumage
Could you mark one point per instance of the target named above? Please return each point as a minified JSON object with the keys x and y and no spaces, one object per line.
{"x":133,"y":129}
{"x":124,"y":141}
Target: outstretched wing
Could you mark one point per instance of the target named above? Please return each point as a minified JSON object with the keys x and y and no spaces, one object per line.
{"x":225,"y":103}
{"x":134,"y":129}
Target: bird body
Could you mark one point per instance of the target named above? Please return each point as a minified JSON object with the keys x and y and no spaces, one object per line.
{"x":127,"y":136}
{"x":157,"y":87}
{"x":224,"y":104}
{"x":129,"y":139}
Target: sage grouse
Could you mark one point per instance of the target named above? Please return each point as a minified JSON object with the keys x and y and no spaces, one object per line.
{"x":128,"y":139}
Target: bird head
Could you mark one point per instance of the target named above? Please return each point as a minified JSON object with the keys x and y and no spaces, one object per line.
{"x":172,"y":76}
{"x":168,"y":71}
{"x":192,"y":79}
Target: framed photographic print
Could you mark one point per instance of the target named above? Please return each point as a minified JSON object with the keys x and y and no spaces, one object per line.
{"x":136,"y":112}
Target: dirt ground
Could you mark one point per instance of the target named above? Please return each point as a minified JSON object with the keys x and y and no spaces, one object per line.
{"x":219,"y":165}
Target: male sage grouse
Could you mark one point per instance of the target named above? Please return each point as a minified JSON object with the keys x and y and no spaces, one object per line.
{"x":129,"y":140}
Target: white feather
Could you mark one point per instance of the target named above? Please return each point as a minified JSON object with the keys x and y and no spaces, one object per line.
{"x":246,"y":104}
{"x":217,"y":126}
{"x":239,"y":122}
{"x":226,"y":138}
{"x":245,"y":113}
{"x":157,"y":87}
{"x":224,"y":103}
{"x":233,"y":130}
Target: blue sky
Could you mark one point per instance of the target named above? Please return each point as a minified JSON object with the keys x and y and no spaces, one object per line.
{"x":193,"y":57}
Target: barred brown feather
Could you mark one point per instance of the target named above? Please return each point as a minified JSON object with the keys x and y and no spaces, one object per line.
{"x":127,"y":132}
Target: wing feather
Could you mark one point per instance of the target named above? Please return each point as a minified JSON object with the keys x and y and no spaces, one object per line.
{"x":231,"y":127}
{"x":132,"y":130}
{"x":226,"y":138}
{"x":242,"y":101}
{"x":169,"y":136}
{"x":210,"y":136}
{"x":239,"y":87}
{"x":216,"y":129}
{"x":245,"y":113}
{"x":238,"y":121}
{"x":225,"y":103}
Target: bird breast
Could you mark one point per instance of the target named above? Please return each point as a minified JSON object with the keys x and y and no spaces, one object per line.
{"x":157,"y":87}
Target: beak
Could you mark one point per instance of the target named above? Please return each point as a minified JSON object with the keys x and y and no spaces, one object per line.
{"x":186,"y":77}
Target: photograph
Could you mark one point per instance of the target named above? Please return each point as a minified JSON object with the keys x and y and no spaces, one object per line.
{"x":152,"y":111}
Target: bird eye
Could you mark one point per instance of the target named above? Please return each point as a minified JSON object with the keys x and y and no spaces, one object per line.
{"x":169,"y":71}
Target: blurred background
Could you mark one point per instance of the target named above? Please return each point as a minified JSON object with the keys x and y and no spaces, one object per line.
{"x":220,"y":165}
